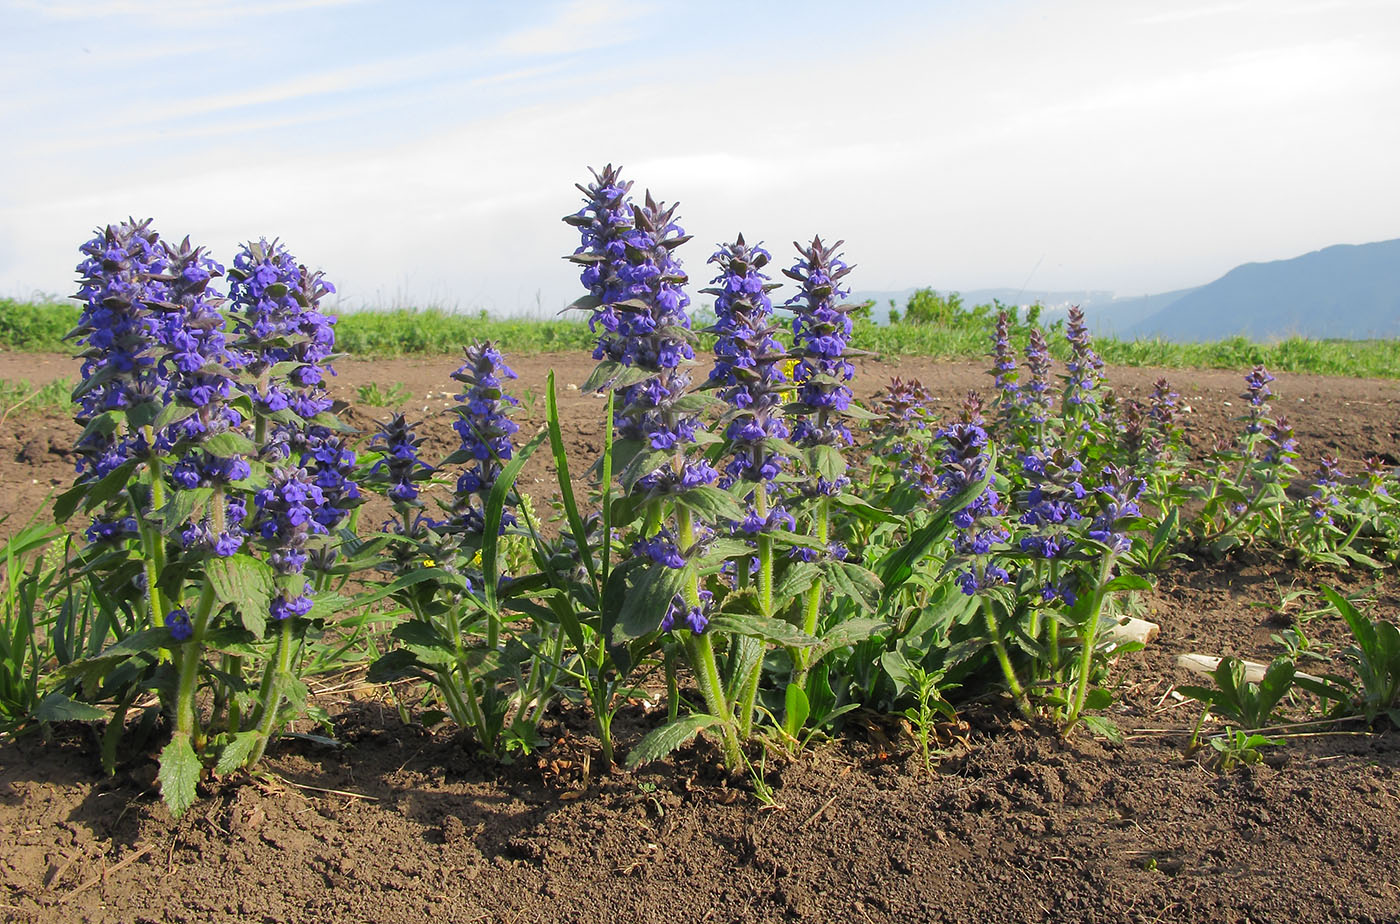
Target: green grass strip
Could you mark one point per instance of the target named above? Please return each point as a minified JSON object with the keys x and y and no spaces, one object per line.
{"x":40,"y":327}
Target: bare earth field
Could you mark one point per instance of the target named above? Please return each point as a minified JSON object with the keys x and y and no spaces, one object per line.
{"x":402,"y":825}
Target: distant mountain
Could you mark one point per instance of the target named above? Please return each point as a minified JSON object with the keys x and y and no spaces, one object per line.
{"x":1349,"y":291}
{"x":1112,"y":317}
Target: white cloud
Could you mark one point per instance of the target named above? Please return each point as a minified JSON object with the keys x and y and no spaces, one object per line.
{"x":579,"y":25}
{"x":170,"y":12}
{"x":1073,"y":138}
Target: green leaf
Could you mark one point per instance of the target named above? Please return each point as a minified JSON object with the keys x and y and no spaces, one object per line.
{"x":495,"y":505}
{"x":1277,"y":682}
{"x":947,"y":605}
{"x":827,"y":462}
{"x":713,"y":504}
{"x":426,"y":643}
{"x":228,"y":443}
{"x":822,"y":697}
{"x":422,"y":575}
{"x":895,"y":568}
{"x":179,"y":774}
{"x":58,"y":708}
{"x":326,"y":605}
{"x":92,"y":495}
{"x":1200,"y":694}
{"x":646,"y":603}
{"x":777,"y":631}
{"x":398,"y":664}
{"x":797,"y":580}
{"x":184,"y":506}
{"x":103,"y":424}
{"x":231,"y":640}
{"x":662,"y":741}
{"x":865,"y":581}
{"x":237,"y":751}
{"x":1361,"y":627}
{"x":247,"y":584}
{"x":566,"y":485}
{"x":1098,"y":698}
{"x":90,"y":671}
{"x":642,"y":460}
{"x":171,"y":413}
{"x":611,"y":375}
{"x":1127,"y":582}
{"x":1103,"y":727}
{"x":846,"y":633}
{"x":796,"y":709}
{"x":718,"y":551}
{"x":864,"y":511}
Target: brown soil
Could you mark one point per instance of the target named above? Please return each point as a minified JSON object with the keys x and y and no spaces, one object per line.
{"x":1013,"y":825}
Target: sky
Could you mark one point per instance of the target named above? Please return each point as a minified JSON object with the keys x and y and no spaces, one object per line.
{"x":423,"y":153}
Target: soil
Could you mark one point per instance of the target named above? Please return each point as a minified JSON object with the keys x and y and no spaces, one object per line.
{"x":400,"y":824}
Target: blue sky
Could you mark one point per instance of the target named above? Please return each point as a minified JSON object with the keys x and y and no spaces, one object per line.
{"x":423,"y":153}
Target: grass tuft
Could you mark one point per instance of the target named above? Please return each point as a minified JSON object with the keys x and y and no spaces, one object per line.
{"x":40,"y":327}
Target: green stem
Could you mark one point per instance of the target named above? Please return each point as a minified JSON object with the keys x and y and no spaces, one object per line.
{"x":1355,"y":531}
{"x":702,"y":655}
{"x":603,"y":718}
{"x":235,"y":713}
{"x":1088,"y":641}
{"x":190,"y":656}
{"x":702,"y":661}
{"x":1004,"y":659}
{"x":273,"y":682}
{"x":542,"y":696}
{"x":152,"y":540}
{"x":748,"y":692}
{"x":817,"y":592}
{"x":1230,"y":527}
{"x":463,"y":690}
{"x":673,"y":688}
{"x":765,"y":553}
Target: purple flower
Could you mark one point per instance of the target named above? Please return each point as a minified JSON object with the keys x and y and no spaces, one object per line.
{"x":110,"y":530}
{"x":748,"y":371}
{"x":634,"y":282}
{"x":1327,"y":480}
{"x":284,"y":607}
{"x":122,"y":333}
{"x":398,"y":468}
{"x":285,"y":522}
{"x":1279,"y":446}
{"x":662,"y":549}
{"x":1035,"y":395}
{"x":205,"y":537}
{"x":821,"y":332}
{"x":277,"y":317}
{"x":1164,"y":403}
{"x":1117,"y":499}
{"x":485,"y":428}
{"x":1376,"y":476}
{"x":1257,"y":393}
{"x":980,"y":524}
{"x":1008,"y":392}
{"x":604,"y":222}
{"x":636,"y":294}
{"x":178,"y":622}
{"x":694,"y":618}
{"x":1084,"y":369}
